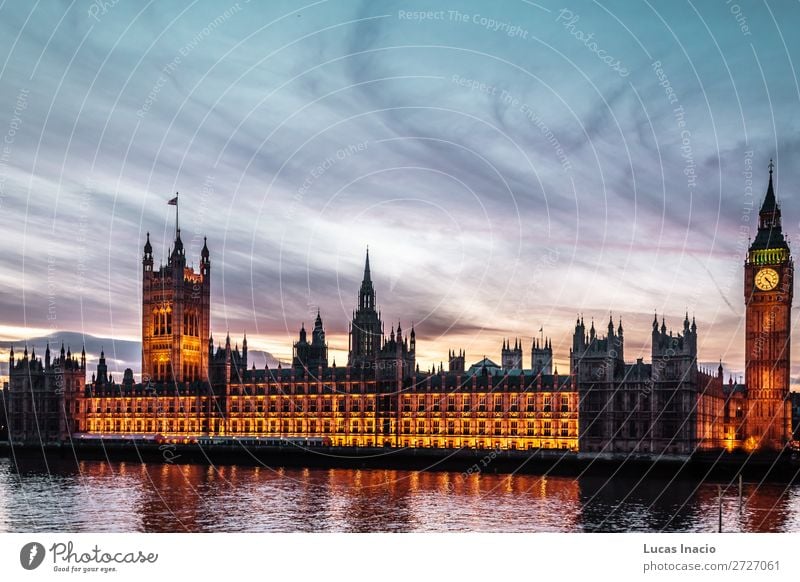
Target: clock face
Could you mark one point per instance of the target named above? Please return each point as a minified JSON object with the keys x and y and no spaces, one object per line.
{"x":767,"y":279}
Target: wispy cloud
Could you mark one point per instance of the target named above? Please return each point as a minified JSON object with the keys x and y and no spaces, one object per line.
{"x":297,"y":137}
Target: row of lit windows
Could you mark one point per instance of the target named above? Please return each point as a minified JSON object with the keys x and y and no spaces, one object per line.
{"x":341,"y":404}
{"x":452,"y":443}
{"x":513,"y":428}
{"x":421,"y":441}
{"x":496,"y":402}
{"x":327,"y":427}
{"x":419,"y":390}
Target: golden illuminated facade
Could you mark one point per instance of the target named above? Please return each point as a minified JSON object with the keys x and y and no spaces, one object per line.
{"x":670,"y":406}
{"x":442,"y":410}
{"x":381,"y":400}
{"x":176,"y":316}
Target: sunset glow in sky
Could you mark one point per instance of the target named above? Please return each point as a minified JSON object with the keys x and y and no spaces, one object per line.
{"x":510,"y":165}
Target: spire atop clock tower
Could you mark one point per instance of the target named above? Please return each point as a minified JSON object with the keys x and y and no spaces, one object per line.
{"x":770,"y":234}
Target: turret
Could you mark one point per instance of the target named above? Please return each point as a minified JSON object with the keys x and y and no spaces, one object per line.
{"x":178,"y":250}
{"x":542,"y":356}
{"x":102,"y":370}
{"x":147,"y":258}
{"x":205,"y":261}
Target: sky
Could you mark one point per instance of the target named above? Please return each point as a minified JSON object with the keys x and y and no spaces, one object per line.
{"x":510,"y":166}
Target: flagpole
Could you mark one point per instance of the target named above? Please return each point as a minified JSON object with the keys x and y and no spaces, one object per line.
{"x":177,"y":228}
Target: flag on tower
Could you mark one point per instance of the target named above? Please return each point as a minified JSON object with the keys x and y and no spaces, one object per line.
{"x":173,"y":202}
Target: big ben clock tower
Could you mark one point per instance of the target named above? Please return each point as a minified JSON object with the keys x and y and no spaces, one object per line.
{"x":768,"y":291}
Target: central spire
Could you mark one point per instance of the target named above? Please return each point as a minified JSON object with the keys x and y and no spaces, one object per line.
{"x":367,"y":278}
{"x":366,"y":295}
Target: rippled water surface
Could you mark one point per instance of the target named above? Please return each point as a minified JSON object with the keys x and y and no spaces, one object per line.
{"x":119,"y":496}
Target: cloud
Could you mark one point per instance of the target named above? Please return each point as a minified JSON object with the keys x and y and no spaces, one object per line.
{"x":459,"y":191}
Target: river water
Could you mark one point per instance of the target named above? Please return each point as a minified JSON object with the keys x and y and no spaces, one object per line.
{"x":97,"y":496}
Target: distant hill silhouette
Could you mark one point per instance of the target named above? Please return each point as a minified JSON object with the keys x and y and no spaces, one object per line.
{"x":120,"y":354}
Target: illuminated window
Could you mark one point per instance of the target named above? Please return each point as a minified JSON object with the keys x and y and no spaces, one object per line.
{"x":547,"y":402}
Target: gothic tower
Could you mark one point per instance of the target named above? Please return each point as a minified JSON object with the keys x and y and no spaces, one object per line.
{"x":768,"y":292}
{"x":176,"y":315}
{"x":314,"y":354}
{"x":542,"y":356}
{"x":511,"y":358}
{"x":366,"y":328}
{"x":456,"y":360}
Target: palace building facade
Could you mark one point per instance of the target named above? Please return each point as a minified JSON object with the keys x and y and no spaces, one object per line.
{"x":604,"y":405}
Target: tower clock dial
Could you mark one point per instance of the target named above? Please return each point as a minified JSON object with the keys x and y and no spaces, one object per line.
{"x":767,"y":279}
